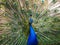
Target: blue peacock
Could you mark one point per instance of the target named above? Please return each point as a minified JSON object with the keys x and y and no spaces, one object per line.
{"x":32,"y":38}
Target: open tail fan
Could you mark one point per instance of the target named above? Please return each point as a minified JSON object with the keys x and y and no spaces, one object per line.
{"x":14,"y":22}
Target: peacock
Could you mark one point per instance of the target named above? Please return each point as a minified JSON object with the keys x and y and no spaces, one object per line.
{"x":32,"y":38}
{"x":16,"y":26}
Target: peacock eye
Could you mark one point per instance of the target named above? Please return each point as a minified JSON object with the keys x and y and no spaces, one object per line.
{"x":42,"y":1}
